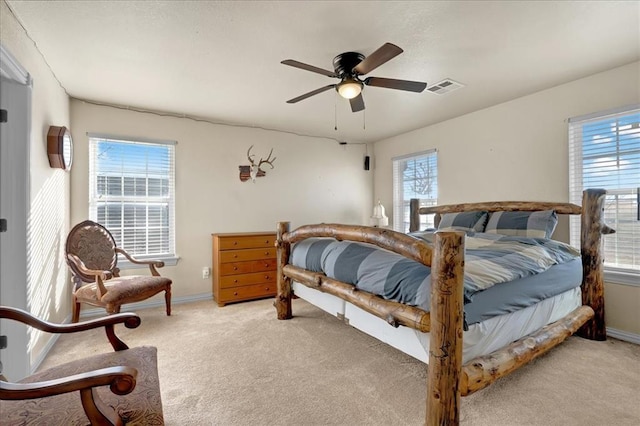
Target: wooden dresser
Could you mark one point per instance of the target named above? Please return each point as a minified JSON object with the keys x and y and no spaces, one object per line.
{"x":244,"y":266}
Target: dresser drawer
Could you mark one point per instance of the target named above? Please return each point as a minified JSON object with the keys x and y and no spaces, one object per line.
{"x":247,"y":254}
{"x":247,"y":292}
{"x":246,"y":241}
{"x":247,"y":267}
{"x":247,"y":279}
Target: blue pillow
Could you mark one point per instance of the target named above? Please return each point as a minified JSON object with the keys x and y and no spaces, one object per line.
{"x":523,"y":224}
{"x":468,"y":221}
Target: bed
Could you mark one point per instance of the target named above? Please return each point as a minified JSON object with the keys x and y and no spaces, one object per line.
{"x":432,"y":322}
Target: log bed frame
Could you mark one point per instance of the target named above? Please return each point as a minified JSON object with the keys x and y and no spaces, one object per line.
{"x":448,"y":379}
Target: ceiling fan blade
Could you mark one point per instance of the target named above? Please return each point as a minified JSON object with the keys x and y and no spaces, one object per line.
{"x":383,"y":54}
{"x":307,"y":67}
{"x":390,"y":83}
{"x":308,"y":95}
{"x":357,"y":103}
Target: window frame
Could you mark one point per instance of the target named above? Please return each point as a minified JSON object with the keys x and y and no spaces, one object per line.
{"x":400,"y":205}
{"x":170,"y":258}
{"x":612,"y":274}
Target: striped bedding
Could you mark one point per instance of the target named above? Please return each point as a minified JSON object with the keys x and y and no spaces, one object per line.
{"x":489,"y":259}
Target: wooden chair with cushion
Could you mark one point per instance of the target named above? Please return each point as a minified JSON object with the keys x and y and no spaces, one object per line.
{"x":92,"y":256}
{"x":113,"y":388}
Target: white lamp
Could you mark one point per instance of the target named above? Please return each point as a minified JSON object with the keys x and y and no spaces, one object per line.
{"x":379,"y":217}
{"x":349,"y":88}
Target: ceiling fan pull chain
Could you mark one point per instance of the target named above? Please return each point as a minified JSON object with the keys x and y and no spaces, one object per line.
{"x":364,"y":120}
{"x":335,"y":113}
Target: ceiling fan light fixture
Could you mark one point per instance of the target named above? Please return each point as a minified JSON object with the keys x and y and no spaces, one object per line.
{"x":349,"y":89}
{"x":349,"y":67}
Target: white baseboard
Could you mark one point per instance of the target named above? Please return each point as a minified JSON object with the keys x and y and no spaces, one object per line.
{"x":623,"y":335}
{"x":133,"y":307}
{"x":45,"y":351}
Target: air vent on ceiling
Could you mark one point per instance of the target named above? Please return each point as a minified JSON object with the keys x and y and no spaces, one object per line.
{"x":445,"y":86}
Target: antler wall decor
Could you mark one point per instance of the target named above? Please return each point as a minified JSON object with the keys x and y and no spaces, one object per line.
{"x":254,"y":170}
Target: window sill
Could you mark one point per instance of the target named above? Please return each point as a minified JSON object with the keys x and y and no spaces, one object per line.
{"x":623,"y":278}
{"x":124,"y":264}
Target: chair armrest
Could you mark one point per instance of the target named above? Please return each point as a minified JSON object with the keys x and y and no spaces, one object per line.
{"x":130,"y":320}
{"x":79,"y":264}
{"x":121,"y":380}
{"x":100,"y":276}
{"x":153,"y":264}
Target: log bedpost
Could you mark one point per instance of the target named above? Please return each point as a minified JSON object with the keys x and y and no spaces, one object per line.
{"x":283,"y":283}
{"x":436,"y":220}
{"x":445,"y":351}
{"x":414,"y":215}
{"x":591,"y":230}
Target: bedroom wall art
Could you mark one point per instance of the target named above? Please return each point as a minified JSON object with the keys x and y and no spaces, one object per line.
{"x":254,"y":170}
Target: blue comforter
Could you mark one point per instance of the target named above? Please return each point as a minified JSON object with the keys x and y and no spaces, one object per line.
{"x":489,"y":259}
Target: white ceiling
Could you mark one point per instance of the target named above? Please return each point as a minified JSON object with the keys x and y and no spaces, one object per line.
{"x":221,"y":60}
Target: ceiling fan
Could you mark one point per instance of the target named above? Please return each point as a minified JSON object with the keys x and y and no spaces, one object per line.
{"x":349,"y":66}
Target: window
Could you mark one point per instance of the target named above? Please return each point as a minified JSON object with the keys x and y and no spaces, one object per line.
{"x":604,"y":152}
{"x":131,"y":193}
{"x":414,"y":176}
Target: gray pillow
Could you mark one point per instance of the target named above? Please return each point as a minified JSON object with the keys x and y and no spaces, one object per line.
{"x":470,"y":221}
{"x":524,"y":224}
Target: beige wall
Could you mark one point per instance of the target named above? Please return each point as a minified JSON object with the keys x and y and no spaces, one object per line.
{"x":48,"y":291}
{"x":622,"y":307}
{"x":314,"y":180}
{"x":517,"y":151}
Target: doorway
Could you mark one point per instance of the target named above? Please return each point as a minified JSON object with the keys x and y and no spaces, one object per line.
{"x":15,"y":101}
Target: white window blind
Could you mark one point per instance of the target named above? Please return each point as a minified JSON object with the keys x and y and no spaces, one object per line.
{"x":132,"y":193}
{"x":414,"y":176}
{"x":604,"y":152}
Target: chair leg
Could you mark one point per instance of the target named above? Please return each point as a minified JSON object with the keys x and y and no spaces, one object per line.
{"x":167,"y":299}
{"x":76,"y":310}
{"x":112,"y":309}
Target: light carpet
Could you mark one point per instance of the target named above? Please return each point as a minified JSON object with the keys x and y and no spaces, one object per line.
{"x":239,"y":365}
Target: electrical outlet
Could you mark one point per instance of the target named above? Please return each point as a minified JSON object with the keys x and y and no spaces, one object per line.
{"x":205,"y":273}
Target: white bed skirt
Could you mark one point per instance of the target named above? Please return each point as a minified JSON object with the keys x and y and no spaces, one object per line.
{"x":481,"y":338}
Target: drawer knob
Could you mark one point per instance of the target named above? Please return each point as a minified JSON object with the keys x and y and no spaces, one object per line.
{"x":266,"y":288}
{"x":266,"y":265}
{"x":266,"y":252}
{"x":235,"y":268}
{"x":235,"y":256}
{"x":235,"y":281}
{"x":235,"y":243}
{"x":235,"y":293}
{"x":266,"y":277}
{"x":266,"y":242}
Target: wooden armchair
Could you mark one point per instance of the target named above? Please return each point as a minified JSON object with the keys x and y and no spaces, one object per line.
{"x":114,"y":388}
{"x":92,"y":256}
